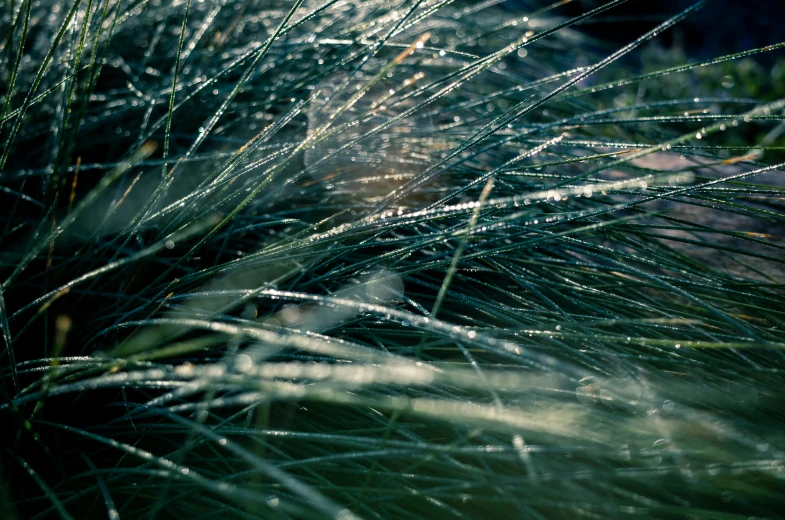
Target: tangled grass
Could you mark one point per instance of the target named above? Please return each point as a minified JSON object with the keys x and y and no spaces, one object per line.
{"x":384,"y":259}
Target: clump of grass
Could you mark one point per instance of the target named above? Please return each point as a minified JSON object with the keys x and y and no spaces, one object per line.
{"x":413,"y":259}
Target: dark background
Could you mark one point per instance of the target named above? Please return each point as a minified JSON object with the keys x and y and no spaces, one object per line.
{"x":720,"y":27}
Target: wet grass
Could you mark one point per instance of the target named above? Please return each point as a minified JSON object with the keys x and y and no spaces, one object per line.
{"x":416,"y":259}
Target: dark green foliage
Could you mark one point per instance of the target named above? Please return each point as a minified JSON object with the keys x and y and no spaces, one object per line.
{"x":418,"y":259}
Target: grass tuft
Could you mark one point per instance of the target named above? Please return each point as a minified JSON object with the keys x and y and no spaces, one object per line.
{"x":386,"y":259}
